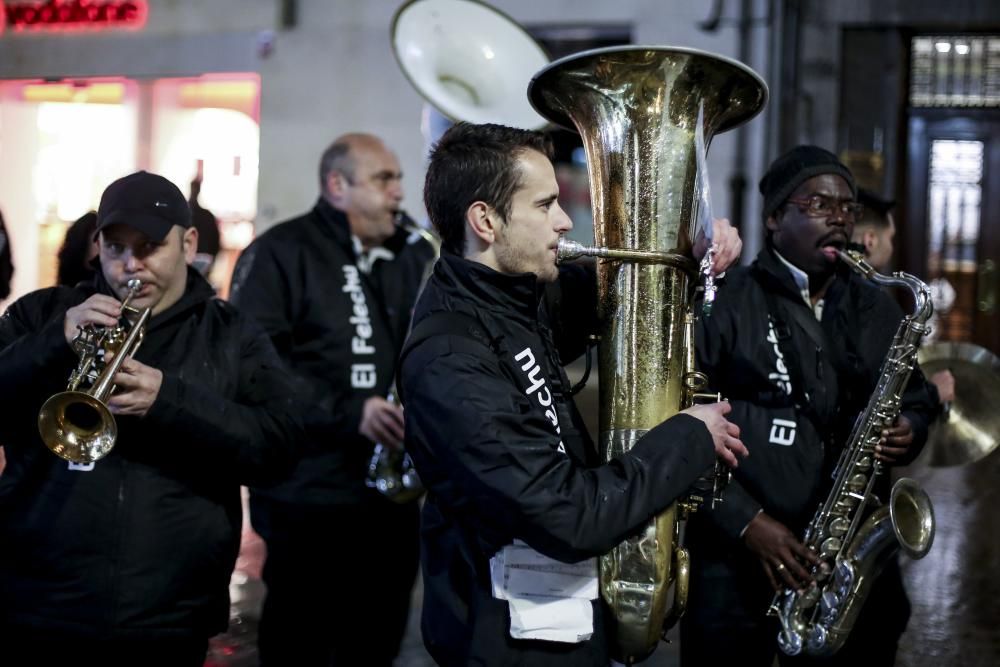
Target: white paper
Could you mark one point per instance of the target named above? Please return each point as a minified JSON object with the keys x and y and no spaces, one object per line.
{"x":552,"y":619}
{"x":548,"y":599}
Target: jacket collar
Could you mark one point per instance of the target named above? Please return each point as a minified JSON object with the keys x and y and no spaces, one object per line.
{"x":334,"y":222}
{"x":519,"y":294}
{"x":778,"y":276}
{"x":196,"y":292}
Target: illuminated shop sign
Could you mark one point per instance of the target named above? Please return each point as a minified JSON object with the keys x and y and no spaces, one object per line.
{"x":73,"y":15}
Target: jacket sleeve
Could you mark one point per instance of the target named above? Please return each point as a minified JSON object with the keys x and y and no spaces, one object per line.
{"x":919,"y":402}
{"x":33,"y":352}
{"x":481,"y":446}
{"x":254,"y":436}
{"x":266,"y":287}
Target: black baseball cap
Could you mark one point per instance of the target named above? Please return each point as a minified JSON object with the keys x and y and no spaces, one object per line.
{"x":146,"y":202}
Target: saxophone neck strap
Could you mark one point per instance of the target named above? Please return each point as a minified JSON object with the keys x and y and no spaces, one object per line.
{"x":789,"y":351}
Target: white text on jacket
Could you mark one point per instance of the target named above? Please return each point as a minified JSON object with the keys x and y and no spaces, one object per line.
{"x":363,"y":375}
{"x":536,"y":382}
{"x":782,"y":430}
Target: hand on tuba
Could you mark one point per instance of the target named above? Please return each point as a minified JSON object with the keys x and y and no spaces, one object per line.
{"x":725,"y":434}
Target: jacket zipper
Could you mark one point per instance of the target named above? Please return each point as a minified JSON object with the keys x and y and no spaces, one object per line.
{"x":113,"y":565}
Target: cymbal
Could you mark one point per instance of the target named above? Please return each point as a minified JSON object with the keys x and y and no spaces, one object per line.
{"x":970,"y":428}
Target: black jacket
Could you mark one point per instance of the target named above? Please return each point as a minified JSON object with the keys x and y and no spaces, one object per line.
{"x":339,"y":329}
{"x":792,"y":449}
{"x":142,"y":545}
{"x":504,"y":456}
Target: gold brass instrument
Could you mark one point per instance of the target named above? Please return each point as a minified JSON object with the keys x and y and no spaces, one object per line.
{"x":77,"y":425}
{"x":854,"y":544}
{"x":391,"y":472}
{"x":636,"y":109}
{"x":969,"y":429}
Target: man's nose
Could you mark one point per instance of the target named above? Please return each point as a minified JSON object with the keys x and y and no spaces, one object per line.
{"x":563,"y":221}
{"x":132,"y":263}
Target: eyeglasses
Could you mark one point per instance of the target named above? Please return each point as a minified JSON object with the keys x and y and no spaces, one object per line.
{"x":821,"y":206}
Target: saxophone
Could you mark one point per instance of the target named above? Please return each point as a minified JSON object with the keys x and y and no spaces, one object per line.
{"x":392,"y":472}
{"x":853,"y":545}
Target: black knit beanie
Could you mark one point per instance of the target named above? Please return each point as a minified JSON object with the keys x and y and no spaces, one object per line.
{"x":794,"y":168}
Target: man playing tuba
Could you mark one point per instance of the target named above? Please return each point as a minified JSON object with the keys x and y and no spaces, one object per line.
{"x":518,"y":502}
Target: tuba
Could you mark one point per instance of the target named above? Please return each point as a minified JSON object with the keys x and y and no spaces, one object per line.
{"x":77,"y":425}
{"x":637,"y":110}
{"x":854,"y":545}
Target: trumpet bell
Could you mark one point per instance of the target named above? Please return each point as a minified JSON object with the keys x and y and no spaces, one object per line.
{"x":77,"y":427}
{"x":470,"y":61}
{"x":970,"y":428}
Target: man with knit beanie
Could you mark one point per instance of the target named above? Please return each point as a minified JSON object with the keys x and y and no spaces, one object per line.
{"x":795,"y":342}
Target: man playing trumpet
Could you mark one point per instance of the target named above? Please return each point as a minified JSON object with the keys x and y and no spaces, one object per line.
{"x":131,"y":555}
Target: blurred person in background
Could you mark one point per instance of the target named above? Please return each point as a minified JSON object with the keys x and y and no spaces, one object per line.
{"x":875,"y":232}
{"x":6,"y":265}
{"x":335,"y":288}
{"x":208,"y":231}
{"x":79,"y":251}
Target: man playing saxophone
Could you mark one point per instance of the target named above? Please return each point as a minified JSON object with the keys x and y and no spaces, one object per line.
{"x":796,"y":342}
{"x":518,"y":503}
{"x":129,"y":557}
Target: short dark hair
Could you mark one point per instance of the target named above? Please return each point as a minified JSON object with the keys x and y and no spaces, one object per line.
{"x":877,"y":209}
{"x":475,"y":163}
{"x":336,"y":157}
{"x":72,"y":266}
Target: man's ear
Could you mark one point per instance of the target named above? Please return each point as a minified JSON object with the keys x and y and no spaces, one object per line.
{"x":189,"y":244}
{"x":482,"y":220}
{"x":336,"y":183}
{"x":869,"y":239}
{"x":771,"y":223}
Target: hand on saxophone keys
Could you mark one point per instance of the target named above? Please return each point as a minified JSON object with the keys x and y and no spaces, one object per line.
{"x":894,"y":445}
{"x":783,"y":557}
{"x":725,"y":434}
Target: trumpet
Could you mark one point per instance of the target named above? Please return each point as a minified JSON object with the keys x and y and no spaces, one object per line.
{"x":76,"y":424}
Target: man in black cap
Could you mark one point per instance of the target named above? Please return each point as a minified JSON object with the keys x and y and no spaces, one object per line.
{"x":795,"y":342}
{"x":128,"y":558}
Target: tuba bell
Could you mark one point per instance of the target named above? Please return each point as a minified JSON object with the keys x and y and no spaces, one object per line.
{"x":76,"y":424}
{"x":637,"y":110}
{"x":468,"y":59}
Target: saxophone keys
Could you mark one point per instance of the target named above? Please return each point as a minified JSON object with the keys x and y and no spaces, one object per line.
{"x":829,"y":606}
{"x":830,"y":547}
{"x":839,"y":526}
{"x":858,"y":483}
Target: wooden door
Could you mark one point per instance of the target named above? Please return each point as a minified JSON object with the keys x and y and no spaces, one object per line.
{"x":950,"y":231}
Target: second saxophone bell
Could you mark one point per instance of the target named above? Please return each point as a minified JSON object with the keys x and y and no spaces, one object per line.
{"x":77,"y":425}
